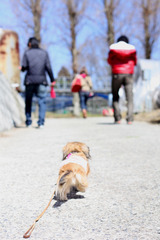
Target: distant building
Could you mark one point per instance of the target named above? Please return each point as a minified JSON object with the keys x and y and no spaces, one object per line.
{"x":9,"y":55}
{"x":146,"y":82}
{"x":64,"y":72}
{"x":147,"y":79}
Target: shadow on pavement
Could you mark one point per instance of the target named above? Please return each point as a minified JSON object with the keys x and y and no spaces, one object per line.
{"x":58,"y":203}
{"x":105,"y":123}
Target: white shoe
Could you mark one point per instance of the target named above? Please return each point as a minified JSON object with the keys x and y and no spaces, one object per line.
{"x":28,"y":126}
{"x":40,"y":126}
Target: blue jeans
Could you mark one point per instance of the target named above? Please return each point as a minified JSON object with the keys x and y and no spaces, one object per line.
{"x":83,"y":99}
{"x":41,"y":92}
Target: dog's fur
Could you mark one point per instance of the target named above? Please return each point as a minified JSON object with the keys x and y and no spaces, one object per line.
{"x":74,"y":170}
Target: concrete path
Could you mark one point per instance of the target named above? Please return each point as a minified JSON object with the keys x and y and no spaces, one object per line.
{"x":123,"y":198}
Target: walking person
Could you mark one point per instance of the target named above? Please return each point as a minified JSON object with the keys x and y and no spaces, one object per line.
{"x":122,"y":58}
{"x":86,"y":90}
{"x":36,"y":62}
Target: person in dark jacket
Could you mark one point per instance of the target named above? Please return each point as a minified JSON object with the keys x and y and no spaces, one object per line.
{"x":36,"y":62}
{"x":122,"y":58}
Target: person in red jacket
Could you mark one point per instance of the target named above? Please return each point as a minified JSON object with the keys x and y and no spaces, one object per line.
{"x":122,"y":58}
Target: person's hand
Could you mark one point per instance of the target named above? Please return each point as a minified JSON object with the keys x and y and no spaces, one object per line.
{"x":91,"y":94}
{"x":53,"y":84}
{"x":19,"y":67}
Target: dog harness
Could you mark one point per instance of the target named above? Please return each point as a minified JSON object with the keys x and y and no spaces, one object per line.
{"x":75,"y":159}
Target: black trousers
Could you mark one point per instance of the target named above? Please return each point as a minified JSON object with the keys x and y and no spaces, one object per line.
{"x":127,"y":81}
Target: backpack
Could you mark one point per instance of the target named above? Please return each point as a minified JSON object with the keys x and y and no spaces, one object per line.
{"x":76,"y":84}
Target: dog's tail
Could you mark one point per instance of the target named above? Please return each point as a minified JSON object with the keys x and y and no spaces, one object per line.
{"x":66,"y":177}
{"x":70,"y":180}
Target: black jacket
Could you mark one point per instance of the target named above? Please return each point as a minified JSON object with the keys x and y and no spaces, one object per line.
{"x":36,"y":63}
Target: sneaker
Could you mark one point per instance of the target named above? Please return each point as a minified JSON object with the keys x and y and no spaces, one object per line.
{"x":129,"y":123}
{"x":118,"y":122}
{"x":28,"y":126}
{"x":40,"y":126}
{"x":84,"y":112}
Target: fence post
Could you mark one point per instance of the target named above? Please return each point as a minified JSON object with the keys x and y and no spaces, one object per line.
{"x":76,"y":104}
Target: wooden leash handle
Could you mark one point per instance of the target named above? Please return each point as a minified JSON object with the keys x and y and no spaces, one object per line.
{"x":30,"y":230}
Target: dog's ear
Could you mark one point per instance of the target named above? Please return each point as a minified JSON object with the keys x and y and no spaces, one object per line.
{"x":86,"y":151}
{"x":65,"y":153}
{"x":76,"y":147}
{"x":66,"y":150}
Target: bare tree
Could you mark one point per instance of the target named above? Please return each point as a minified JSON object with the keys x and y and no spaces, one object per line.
{"x":109,"y":9}
{"x":114,"y":21}
{"x":37,"y":12}
{"x":104,"y":18}
{"x":72,"y":13}
{"x":73,"y":21}
{"x":29,"y":15}
{"x":149,"y":24}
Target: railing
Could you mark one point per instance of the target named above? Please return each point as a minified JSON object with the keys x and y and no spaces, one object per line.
{"x":64,"y":97}
{"x":63,"y":85}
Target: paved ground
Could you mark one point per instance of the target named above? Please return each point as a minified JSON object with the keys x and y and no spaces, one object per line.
{"x":123,"y":198}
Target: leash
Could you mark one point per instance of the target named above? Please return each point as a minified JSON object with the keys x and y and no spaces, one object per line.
{"x":30,"y":230}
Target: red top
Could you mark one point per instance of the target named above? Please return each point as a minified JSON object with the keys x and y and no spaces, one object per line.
{"x":122,"y":58}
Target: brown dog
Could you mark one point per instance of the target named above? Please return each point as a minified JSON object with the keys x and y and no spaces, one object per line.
{"x":74,"y":170}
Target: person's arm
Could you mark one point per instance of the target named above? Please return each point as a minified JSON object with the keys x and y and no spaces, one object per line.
{"x":111,"y":57}
{"x":90,"y":83}
{"x":49,"y":70}
{"x":135,"y":59}
{"x":24,"y":66}
{"x":91,"y":94}
{"x":108,"y":59}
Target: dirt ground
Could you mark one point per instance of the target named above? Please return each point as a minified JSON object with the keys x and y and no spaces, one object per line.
{"x":152,"y":117}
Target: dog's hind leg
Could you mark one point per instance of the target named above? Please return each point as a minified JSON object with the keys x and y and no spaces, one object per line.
{"x":82,"y":183}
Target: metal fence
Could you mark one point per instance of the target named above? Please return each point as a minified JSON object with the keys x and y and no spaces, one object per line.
{"x":64,"y":98}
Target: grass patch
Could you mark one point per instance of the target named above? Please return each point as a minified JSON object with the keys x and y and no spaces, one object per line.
{"x":68,"y":115}
{"x":152,"y":117}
